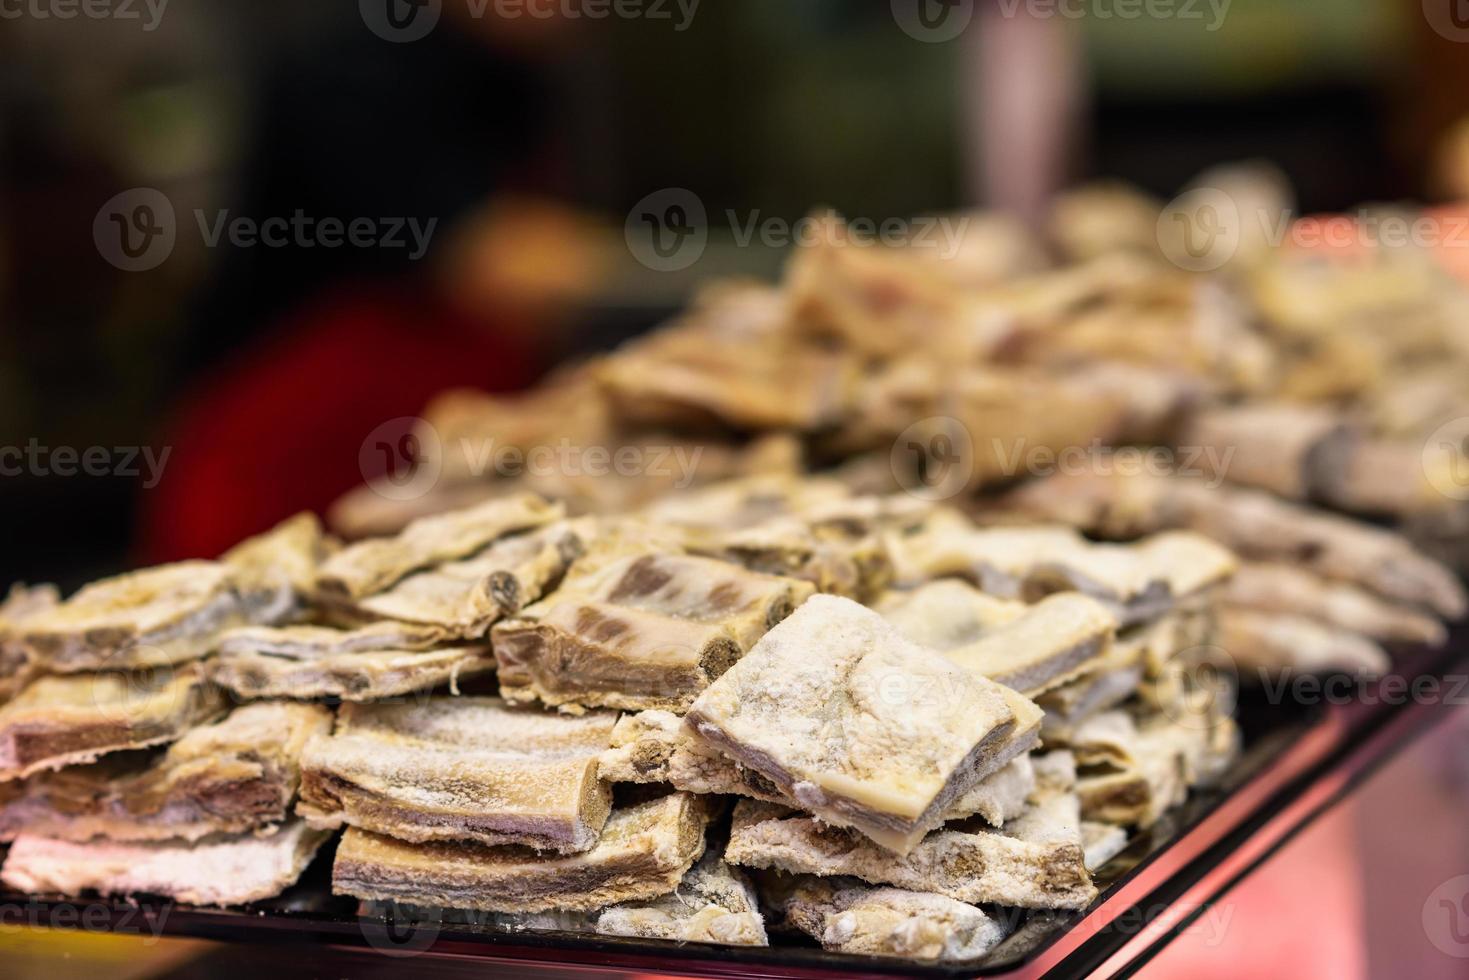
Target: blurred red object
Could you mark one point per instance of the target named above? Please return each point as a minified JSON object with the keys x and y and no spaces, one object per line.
{"x":278,"y":429}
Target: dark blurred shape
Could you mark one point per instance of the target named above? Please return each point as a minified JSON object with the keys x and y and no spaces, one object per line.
{"x":348,"y":127}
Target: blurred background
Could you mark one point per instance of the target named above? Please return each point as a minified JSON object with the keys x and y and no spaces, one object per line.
{"x":485,"y":170}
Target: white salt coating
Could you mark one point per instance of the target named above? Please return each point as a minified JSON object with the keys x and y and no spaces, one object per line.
{"x":947,"y":613}
{"x":89,"y":715}
{"x":641,"y":631}
{"x":457,"y":597}
{"x":1029,"y":648}
{"x":837,"y":707}
{"x":460,"y":768}
{"x":376,"y":564}
{"x":1288,"y":588}
{"x":849,"y":917}
{"x":656,"y":747}
{"x":214,"y":871}
{"x":357,"y":677}
{"x":1018,"y":562}
{"x":712,"y":904}
{"x":158,"y":616}
{"x":138,"y":602}
{"x":1033,"y":861}
{"x":643,"y":852}
{"x":235,"y":775}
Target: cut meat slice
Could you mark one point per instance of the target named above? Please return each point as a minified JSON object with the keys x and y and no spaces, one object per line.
{"x":1273,"y":643}
{"x":714,"y":903}
{"x":1138,"y":581}
{"x":1136,"y":770}
{"x":17,"y":667}
{"x":648,"y":631}
{"x":157,"y":617}
{"x":847,"y":916}
{"x":1035,"y":861}
{"x":947,"y":613}
{"x":275,"y":572}
{"x":212,"y":871}
{"x":643,"y":853}
{"x":371,"y":566}
{"x":656,"y":747}
{"x":834,"y":558}
{"x":1288,"y":589}
{"x":68,"y":720}
{"x":1290,"y":450}
{"x":378,"y":661}
{"x":1030,"y":648}
{"x":465,"y":598}
{"x":857,"y":724}
{"x":239,"y":774}
{"x":472,"y":769}
{"x":1102,"y":842}
{"x":1255,"y":525}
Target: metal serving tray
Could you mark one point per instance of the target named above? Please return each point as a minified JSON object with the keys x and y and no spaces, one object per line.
{"x":1296,"y":762}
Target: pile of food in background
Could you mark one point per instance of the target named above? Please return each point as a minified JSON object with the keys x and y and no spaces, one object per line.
{"x":833,"y":658}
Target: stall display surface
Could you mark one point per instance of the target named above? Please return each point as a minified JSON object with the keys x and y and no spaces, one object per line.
{"x":1296,"y":762}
